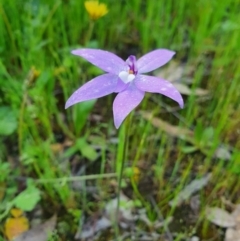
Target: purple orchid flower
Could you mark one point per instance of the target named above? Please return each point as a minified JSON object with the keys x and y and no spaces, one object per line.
{"x":125,"y":78}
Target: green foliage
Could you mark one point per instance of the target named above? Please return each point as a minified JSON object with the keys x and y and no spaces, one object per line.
{"x":38,"y":74}
{"x":28,"y":198}
{"x":84,"y":148}
{"x":8,"y":121}
{"x":81,"y":113}
{"x":234,"y":166}
{"x":4,"y":170}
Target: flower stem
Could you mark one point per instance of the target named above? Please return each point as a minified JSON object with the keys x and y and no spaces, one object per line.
{"x":89,"y":32}
{"x":124,"y":136}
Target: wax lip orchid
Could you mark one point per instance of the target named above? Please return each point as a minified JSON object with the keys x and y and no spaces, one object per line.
{"x":125,"y":78}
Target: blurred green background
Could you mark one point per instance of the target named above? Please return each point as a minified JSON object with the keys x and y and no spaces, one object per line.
{"x":43,"y":146}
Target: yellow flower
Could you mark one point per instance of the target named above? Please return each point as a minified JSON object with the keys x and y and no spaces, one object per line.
{"x":95,"y":9}
{"x":16,"y":225}
{"x":136,"y":174}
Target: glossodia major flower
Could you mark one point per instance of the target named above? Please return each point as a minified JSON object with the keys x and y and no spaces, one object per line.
{"x":125,"y":78}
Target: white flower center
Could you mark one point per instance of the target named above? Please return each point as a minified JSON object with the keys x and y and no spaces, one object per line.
{"x":126,"y":77}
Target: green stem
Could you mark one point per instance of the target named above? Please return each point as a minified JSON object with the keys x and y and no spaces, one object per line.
{"x":125,"y":129}
{"x":90,"y":32}
{"x":26,"y":84}
{"x":124,"y":156}
{"x":77,"y":178}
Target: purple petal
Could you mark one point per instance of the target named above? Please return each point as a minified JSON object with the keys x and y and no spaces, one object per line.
{"x":105,"y":60}
{"x":125,"y":102}
{"x":98,"y":87}
{"x":156,"y":85}
{"x":121,"y":86}
{"x":154,"y":60}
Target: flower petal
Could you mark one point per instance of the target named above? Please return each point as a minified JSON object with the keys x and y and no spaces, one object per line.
{"x":98,"y":87}
{"x":154,"y":60}
{"x":105,"y":60}
{"x":156,"y":85}
{"x":121,"y":86}
{"x":125,"y":102}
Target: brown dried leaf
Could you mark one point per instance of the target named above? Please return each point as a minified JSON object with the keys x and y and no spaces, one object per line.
{"x":184,"y":89}
{"x":105,"y":220}
{"x":226,"y":220}
{"x":90,"y":228}
{"x":232,"y":235}
{"x":236,"y":215}
{"x":40,"y":232}
{"x":222,"y":152}
{"x":220,"y":217}
{"x":175,"y":131}
{"x":173,"y":72}
{"x":180,"y":75}
{"x":191,"y":188}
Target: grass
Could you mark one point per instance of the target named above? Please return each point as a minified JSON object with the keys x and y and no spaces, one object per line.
{"x":40,"y":140}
